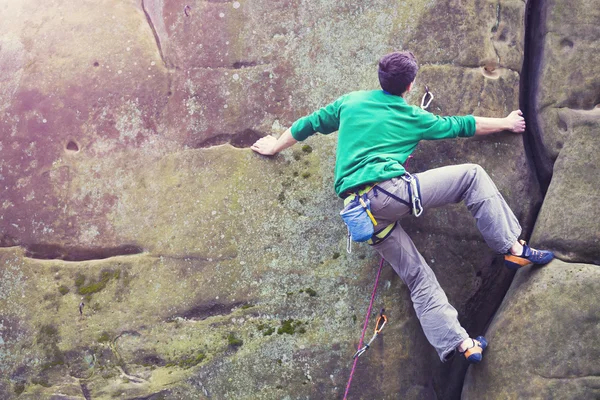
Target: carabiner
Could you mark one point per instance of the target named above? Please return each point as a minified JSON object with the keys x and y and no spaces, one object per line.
{"x":378,"y":329}
{"x":427,"y":92}
{"x":360,"y":352}
{"x":417,"y":207}
{"x":381,"y":316}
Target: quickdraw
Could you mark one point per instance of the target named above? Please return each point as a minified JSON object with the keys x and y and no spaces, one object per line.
{"x":381,"y":321}
{"x":414,"y":193}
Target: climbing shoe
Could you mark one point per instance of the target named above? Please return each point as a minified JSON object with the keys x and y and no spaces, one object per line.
{"x":474,"y":354}
{"x":529,"y":257}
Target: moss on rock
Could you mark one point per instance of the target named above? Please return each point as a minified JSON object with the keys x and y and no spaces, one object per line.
{"x":98,"y":285}
{"x":188,"y":361}
{"x":233,"y":341}
{"x":289,"y":326}
{"x":62,"y":289}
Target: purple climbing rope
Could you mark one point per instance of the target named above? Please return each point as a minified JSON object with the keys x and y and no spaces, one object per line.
{"x":362,"y":336}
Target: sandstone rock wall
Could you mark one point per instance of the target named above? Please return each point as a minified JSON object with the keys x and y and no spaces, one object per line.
{"x":545,"y":335}
{"x":206,"y":270}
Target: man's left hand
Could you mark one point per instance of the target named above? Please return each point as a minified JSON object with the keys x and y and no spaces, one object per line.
{"x":265,"y":145}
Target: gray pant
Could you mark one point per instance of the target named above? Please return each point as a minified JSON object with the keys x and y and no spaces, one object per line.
{"x":496,"y":222}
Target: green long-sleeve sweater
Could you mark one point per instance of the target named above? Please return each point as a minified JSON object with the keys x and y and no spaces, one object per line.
{"x":377,"y":132}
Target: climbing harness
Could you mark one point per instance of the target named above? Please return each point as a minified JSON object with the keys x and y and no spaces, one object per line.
{"x":427,"y":93}
{"x":378,"y":327}
{"x":360,"y":221}
{"x":362,"y":336}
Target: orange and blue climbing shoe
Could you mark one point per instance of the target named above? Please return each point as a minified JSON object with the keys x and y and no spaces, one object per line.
{"x":474,"y":354}
{"x":529,"y":257}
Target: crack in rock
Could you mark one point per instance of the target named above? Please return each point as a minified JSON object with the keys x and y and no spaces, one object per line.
{"x":246,"y":64}
{"x":571,"y":377}
{"x":495,"y":29}
{"x":155,"y":33}
{"x":57,"y":252}
{"x":85,"y":391}
{"x":242,"y":139}
{"x":535,"y":16}
{"x":211,"y":309}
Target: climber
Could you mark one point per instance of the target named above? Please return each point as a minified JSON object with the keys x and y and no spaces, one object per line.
{"x":377,"y":131}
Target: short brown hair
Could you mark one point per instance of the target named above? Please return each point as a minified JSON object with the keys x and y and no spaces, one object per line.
{"x":396,"y":71}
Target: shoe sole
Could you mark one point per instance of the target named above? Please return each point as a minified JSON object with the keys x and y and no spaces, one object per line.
{"x":514,"y":262}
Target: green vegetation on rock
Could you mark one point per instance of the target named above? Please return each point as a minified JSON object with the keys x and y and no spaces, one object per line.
{"x":48,"y":338}
{"x":267,"y":330}
{"x":189,"y":361}
{"x":233,"y":341}
{"x":290,"y":327}
{"x":104,"y":337}
{"x":79,"y":279}
{"x":96,"y":286}
{"x":62,"y":289}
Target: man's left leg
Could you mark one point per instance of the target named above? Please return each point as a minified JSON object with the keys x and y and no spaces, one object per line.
{"x":495,"y":220}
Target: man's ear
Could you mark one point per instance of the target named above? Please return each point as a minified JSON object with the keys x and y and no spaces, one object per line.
{"x":409,"y":87}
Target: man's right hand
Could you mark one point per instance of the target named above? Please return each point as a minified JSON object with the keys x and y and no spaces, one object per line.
{"x":515,"y":122}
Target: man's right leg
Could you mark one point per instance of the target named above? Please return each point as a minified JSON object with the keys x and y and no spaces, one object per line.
{"x":438,"y":318}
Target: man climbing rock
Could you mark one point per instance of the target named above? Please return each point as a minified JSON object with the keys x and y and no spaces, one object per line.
{"x":377,"y":132}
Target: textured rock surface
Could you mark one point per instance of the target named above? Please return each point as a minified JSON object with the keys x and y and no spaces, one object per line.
{"x":543,"y":339}
{"x":569,"y":220}
{"x":191,"y":257}
{"x":567,"y":104}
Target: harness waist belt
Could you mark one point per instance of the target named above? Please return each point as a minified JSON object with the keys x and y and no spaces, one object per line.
{"x":359,"y":190}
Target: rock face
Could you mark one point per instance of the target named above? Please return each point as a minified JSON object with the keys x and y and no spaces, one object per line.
{"x":543,"y":339}
{"x":567,"y":105}
{"x":205,"y":270}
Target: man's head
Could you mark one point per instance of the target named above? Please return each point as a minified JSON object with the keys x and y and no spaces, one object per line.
{"x":397,"y":70}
